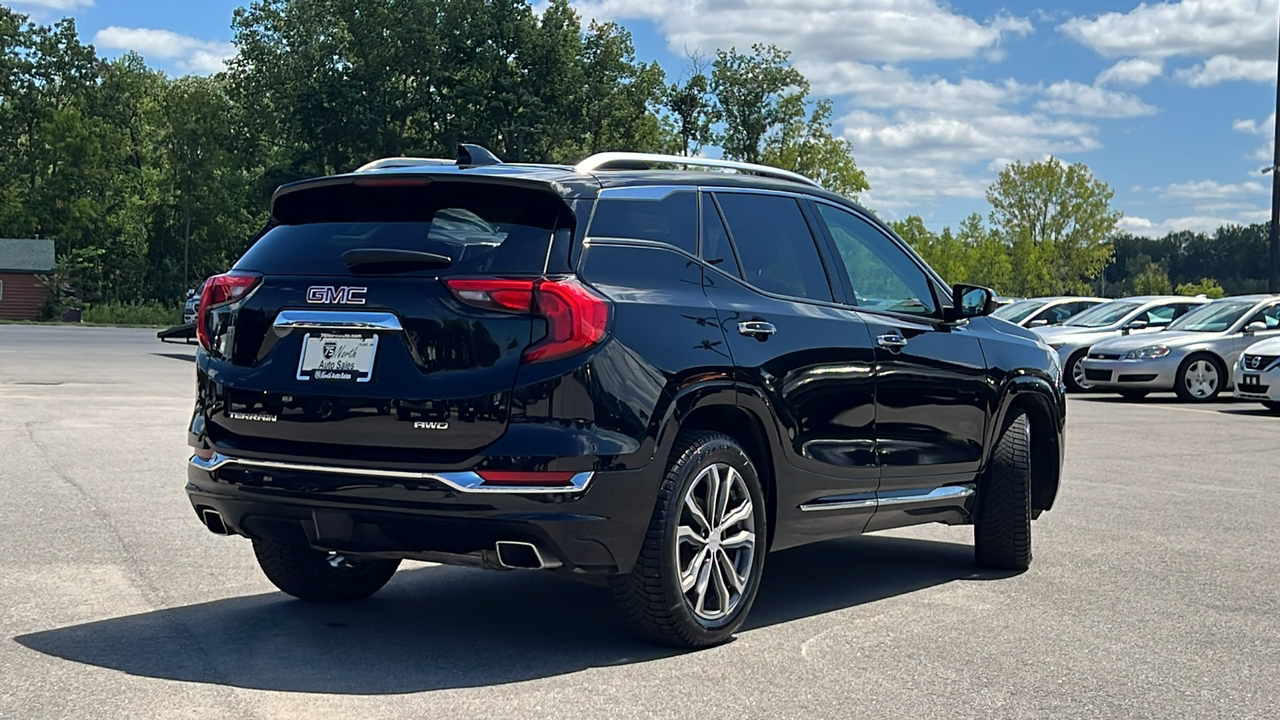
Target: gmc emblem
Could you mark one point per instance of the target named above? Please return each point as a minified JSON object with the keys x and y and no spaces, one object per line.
{"x":329,"y":295}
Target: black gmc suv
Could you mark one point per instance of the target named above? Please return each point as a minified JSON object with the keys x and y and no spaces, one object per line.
{"x":619,"y":368}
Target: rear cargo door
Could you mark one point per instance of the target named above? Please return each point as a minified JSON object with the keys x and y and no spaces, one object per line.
{"x":389,"y":320}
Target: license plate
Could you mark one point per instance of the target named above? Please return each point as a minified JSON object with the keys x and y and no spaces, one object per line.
{"x":340,"y":357}
{"x":1250,"y":380}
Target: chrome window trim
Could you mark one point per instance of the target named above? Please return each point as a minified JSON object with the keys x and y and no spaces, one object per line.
{"x":949,"y":492}
{"x":466,"y":481}
{"x":337,"y":319}
{"x":643,"y":192}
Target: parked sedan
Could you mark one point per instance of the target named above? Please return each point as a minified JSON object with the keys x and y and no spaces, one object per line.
{"x":1192,"y":357}
{"x":1257,"y":375}
{"x":1134,"y":315}
{"x":1045,"y":311}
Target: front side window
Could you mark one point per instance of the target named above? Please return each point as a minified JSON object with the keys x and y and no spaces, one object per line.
{"x":1016,"y":312}
{"x":1269,"y":316}
{"x":1213,"y":317}
{"x":1103,"y":315}
{"x":774,"y":244}
{"x":883,"y":276}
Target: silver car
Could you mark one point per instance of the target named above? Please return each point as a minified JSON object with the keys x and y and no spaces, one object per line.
{"x":1045,"y":311}
{"x":1135,"y":315}
{"x":1192,"y":357}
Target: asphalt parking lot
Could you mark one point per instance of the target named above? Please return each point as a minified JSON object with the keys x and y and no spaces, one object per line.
{"x":1153,"y":593}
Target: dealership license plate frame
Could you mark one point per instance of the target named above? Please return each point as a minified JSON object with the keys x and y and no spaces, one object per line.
{"x":352,"y":359}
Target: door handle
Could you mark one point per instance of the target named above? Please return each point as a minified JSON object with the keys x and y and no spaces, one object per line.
{"x":757,"y":329}
{"x":891,"y":341}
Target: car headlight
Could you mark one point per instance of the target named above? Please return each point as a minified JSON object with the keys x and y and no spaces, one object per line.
{"x":1151,"y":352}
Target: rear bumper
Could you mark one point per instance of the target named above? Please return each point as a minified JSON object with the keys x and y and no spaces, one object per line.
{"x":597,"y":527}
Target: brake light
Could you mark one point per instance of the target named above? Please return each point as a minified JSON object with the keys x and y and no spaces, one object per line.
{"x":525,"y":479}
{"x":219,"y":290}
{"x":577,"y":317}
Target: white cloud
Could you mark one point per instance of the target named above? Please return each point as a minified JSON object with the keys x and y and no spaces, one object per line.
{"x":55,"y":4}
{"x":190,"y":54}
{"x":1221,"y":68}
{"x":1250,"y":126}
{"x":827,"y":30}
{"x":891,"y":87}
{"x":1211,"y":190}
{"x":1191,"y":27}
{"x":1194,"y":223}
{"x":1072,"y":98}
{"x":1235,"y":39}
{"x":1134,"y":72}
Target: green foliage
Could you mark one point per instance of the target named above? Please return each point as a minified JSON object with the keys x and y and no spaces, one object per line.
{"x":1057,"y":221}
{"x":1207,"y":287}
{"x":1235,"y":256}
{"x":1152,"y":280}
{"x":133,"y":313}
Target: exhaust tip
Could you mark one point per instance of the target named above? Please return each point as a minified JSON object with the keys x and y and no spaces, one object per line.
{"x":519,"y":555}
{"x":212,"y":519}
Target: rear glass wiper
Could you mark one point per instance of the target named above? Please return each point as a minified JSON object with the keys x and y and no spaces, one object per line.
{"x":393,"y":260}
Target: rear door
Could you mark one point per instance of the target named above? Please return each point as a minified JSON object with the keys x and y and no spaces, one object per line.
{"x":802,"y":358}
{"x":932,"y":394}
{"x":379,"y":329}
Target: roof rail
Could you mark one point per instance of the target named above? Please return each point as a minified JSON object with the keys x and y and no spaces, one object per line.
{"x":628,"y":160}
{"x":402,"y":162}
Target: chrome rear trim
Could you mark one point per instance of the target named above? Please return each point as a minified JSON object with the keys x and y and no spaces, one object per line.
{"x":337,"y":319}
{"x":466,"y":481}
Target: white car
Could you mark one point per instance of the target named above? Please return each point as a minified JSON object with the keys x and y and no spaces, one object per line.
{"x":1257,"y":375}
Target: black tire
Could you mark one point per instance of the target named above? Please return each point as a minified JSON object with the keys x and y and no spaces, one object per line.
{"x":1068,"y":372}
{"x":1180,"y":380}
{"x":309,"y":574}
{"x":1002,"y":525}
{"x":1271,"y":405}
{"x":650,"y":595}
{"x":1134,"y":394}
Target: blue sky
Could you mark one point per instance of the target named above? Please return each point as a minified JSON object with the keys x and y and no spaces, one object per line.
{"x":1171,"y":103}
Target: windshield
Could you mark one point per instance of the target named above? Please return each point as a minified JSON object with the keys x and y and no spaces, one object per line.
{"x":1102,"y":315}
{"x":1018,"y":311}
{"x":1214,"y":317}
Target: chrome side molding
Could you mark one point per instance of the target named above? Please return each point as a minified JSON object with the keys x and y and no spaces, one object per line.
{"x":337,"y":320}
{"x":949,"y":492}
{"x":467,"y":481}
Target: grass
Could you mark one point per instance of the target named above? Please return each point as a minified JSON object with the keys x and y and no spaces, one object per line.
{"x":148,"y":314}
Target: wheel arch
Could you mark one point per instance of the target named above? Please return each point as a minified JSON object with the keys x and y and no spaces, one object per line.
{"x":1047,"y":413}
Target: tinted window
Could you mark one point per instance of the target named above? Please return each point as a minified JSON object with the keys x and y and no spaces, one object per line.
{"x":716,"y":249}
{"x":1161,"y":315}
{"x":883,"y":276}
{"x":669,"y":218}
{"x":1018,"y":311}
{"x":481,"y":227}
{"x":775,"y":246}
{"x":1103,"y":315}
{"x":1269,"y":316}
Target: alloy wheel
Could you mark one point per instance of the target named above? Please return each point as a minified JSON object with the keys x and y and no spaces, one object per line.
{"x":1201,"y":379}
{"x":715,"y":542}
{"x":1077,"y":374}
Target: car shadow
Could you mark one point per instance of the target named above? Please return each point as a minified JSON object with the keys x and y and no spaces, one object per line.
{"x":1253,"y":412}
{"x":435,"y":628}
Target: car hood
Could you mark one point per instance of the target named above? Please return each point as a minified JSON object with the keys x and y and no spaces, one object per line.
{"x":1171,"y":340}
{"x":1270,"y":346}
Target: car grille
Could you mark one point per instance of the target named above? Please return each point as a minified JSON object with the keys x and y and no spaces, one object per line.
{"x":1259,"y":362}
{"x":1137,"y":378}
{"x":1104,"y":356}
{"x":1103,"y":375}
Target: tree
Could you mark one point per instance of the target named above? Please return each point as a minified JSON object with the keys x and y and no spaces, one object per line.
{"x":807,"y":146}
{"x":1057,"y":221}
{"x":987,"y":259}
{"x":1153,"y":280}
{"x":1207,"y":287}
{"x":693,"y":107}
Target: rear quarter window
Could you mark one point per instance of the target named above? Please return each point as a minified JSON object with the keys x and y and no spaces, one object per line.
{"x":482,"y":227}
{"x":662,"y":216}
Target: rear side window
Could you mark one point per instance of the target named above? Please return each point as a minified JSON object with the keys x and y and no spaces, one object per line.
{"x":774,"y":244}
{"x":648,"y":214}
{"x":482,"y":227}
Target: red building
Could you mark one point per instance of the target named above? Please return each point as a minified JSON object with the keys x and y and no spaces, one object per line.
{"x":23,"y":263}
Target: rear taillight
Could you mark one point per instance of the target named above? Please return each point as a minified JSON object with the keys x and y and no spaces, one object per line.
{"x":576,"y":316}
{"x":504,"y":478}
{"x":219,"y":290}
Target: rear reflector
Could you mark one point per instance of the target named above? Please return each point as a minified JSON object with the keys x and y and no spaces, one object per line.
{"x":576,"y":316}
{"x":525,"y":479}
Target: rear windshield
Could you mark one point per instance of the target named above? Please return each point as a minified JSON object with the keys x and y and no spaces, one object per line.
{"x":1102,"y":315}
{"x":482,"y":228}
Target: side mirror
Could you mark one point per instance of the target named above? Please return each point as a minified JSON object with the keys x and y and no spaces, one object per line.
{"x":1038,"y":322}
{"x":1255,"y":327}
{"x":970,"y":301}
{"x":1134,"y":325}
